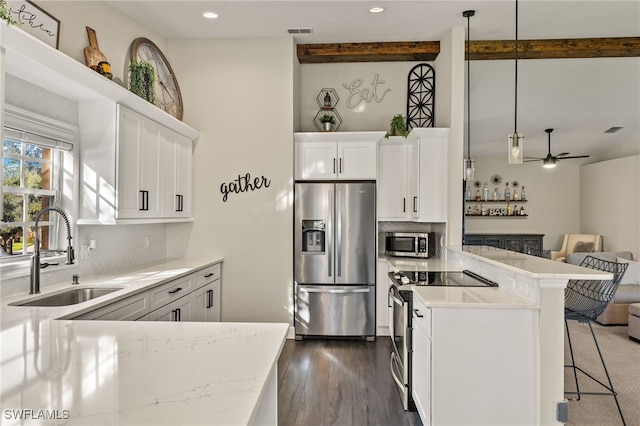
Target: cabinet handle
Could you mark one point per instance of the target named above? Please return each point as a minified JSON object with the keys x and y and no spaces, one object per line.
{"x":209,"y":275}
{"x":174,"y":313}
{"x":404,"y":205}
{"x":209,"y":298}
{"x":417,"y":313}
{"x":180,"y":206}
{"x":175,"y":291}
{"x":340,"y":167}
{"x":145,"y":200}
{"x":334,"y":165}
{"x":178,"y":315}
{"x":415,"y":204}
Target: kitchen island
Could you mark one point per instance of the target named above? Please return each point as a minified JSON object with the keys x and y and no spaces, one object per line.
{"x":57,"y":371}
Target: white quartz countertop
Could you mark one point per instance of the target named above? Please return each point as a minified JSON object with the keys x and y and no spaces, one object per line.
{"x":132,"y":373}
{"x":470,"y":297}
{"x":410,"y":264}
{"x":532,"y":266}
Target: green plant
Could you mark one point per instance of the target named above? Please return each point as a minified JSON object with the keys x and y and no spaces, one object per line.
{"x":327,"y":118}
{"x":142,"y":77}
{"x":397,"y":127}
{"x":4,"y":14}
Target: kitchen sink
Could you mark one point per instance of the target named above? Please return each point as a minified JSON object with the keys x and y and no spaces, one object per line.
{"x":69,"y":297}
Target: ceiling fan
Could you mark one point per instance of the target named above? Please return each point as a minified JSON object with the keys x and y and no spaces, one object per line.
{"x":550,"y":160}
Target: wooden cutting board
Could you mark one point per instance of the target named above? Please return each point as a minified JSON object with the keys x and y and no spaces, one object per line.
{"x":92,"y":54}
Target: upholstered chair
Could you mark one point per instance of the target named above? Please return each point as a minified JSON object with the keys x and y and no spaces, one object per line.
{"x":577,"y":243}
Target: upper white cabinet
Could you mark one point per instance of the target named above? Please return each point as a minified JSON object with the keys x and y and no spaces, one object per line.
{"x":412,"y":176}
{"x":340,"y":155}
{"x":132,"y":168}
{"x":113,"y":173}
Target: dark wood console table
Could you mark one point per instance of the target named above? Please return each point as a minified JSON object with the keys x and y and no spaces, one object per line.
{"x":514,"y":242}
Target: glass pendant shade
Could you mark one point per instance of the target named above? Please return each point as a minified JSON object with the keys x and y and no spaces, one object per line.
{"x":516,"y":148}
{"x":469,"y":169}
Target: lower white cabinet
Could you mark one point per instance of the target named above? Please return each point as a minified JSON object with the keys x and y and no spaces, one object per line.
{"x":193,"y":297}
{"x":130,"y":309}
{"x":382,"y":298}
{"x":178,"y":310}
{"x":474,"y":365}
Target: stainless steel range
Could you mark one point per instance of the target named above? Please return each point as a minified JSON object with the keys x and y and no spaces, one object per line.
{"x":400,"y":314}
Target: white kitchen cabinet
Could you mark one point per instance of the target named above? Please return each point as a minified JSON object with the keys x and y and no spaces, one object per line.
{"x":206,"y":303}
{"x":397,"y":179}
{"x":455,"y":382}
{"x":175,"y":179}
{"x":412,"y":176}
{"x":138,"y":183}
{"x":330,"y":156}
{"x":130,"y":309}
{"x":133,"y":169}
{"x":177,"y":311}
{"x":382,"y":298}
{"x":166,"y":293}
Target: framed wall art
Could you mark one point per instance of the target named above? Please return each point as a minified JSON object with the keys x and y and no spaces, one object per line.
{"x":35,"y":20}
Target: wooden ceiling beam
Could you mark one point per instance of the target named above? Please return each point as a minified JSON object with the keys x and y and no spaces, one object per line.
{"x":612,"y":47}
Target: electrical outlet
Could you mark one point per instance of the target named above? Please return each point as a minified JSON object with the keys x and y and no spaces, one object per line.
{"x":84,"y":252}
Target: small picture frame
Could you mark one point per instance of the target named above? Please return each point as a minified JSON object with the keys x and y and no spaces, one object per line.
{"x":35,"y":21}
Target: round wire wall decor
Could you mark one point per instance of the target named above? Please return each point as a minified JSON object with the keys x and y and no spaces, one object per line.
{"x":421,"y":95}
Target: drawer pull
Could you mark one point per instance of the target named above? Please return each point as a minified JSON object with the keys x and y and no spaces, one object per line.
{"x":417,"y":313}
{"x":209,"y":275}
{"x":176,"y":290}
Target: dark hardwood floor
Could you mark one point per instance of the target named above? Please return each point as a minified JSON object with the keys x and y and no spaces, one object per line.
{"x":339,"y":382}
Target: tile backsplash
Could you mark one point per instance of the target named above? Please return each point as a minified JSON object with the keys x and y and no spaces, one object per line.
{"x":118,"y":248}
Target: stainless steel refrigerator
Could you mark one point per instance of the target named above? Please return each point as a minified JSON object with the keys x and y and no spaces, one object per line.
{"x":334,"y":259}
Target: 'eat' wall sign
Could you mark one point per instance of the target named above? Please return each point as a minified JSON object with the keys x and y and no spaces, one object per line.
{"x":243,"y":184}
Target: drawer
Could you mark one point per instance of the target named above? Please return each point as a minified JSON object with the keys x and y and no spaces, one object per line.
{"x":206,"y":275}
{"x":421,"y":317}
{"x":129,"y":309}
{"x":167,"y":293}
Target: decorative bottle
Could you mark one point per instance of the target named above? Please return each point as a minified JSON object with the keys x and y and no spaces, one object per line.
{"x":507,"y":193}
{"x":523,"y":196}
{"x":522,"y":212}
{"x":467,"y":194}
{"x":515,"y":194}
{"x":509,"y":209}
{"x":478,"y":195}
{"x":496,"y":194}
{"x":485,"y":193}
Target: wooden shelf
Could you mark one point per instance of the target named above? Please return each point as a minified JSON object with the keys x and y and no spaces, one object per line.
{"x":497,"y":201}
{"x":495,"y":216}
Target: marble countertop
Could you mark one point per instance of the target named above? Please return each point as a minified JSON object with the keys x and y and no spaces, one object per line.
{"x":418,"y":264}
{"x":532,"y":266}
{"x":470,"y":297}
{"x":134,"y":373}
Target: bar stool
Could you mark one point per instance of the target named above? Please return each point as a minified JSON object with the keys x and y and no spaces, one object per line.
{"x":584,"y":301}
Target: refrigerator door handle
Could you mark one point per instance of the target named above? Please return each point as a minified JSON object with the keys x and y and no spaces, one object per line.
{"x":339,"y":213}
{"x":336,"y":291}
{"x":330,"y":235}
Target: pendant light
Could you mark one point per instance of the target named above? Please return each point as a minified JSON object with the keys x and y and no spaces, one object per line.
{"x":516,"y":140}
{"x":469,"y":163}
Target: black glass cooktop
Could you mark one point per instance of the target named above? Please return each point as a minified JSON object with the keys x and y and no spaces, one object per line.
{"x":441,"y":278}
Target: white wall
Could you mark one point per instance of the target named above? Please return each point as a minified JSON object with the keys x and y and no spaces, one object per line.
{"x":240,"y":95}
{"x":553,"y":194}
{"x":610,"y":202}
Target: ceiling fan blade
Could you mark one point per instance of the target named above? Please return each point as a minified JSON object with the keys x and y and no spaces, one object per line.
{"x":574,"y":156}
{"x":562,"y":154}
{"x":532,"y":160}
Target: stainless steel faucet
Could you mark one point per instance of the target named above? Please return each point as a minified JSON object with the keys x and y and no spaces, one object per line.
{"x":35,"y":259}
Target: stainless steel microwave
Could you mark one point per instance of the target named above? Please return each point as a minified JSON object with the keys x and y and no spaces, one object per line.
{"x":410,"y":244}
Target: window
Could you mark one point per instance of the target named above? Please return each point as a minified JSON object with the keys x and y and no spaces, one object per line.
{"x":31,"y":181}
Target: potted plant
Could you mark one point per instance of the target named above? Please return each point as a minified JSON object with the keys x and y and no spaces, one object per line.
{"x":4,"y":14}
{"x":142,"y":77}
{"x":397,"y":127}
{"x":327,"y":120}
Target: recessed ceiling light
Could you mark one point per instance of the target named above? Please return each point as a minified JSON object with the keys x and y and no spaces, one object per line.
{"x":210,"y":15}
{"x":376,"y":9}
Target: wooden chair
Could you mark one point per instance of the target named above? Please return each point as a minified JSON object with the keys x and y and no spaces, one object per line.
{"x":577,"y":243}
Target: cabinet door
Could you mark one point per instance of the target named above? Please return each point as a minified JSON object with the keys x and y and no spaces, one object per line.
{"x":168,"y":162}
{"x":357,"y":160}
{"x":433,"y":180}
{"x":138,"y":166}
{"x":420,"y":374}
{"x":382,"y":298}
{"x":317,"y":160}
{"x":179,"y":310}
{"x":206,"y":303}
{"x":129,"y":309}
{"x":393,"y":182}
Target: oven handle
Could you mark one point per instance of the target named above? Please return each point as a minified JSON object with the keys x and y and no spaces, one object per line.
{"x":395,"y":295}
{"x":393,"y":371}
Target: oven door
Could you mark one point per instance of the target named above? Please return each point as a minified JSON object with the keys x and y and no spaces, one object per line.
{"x":400,"y":335}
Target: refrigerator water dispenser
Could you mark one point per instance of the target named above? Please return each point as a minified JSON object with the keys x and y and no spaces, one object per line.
{"x":313,"y":236}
